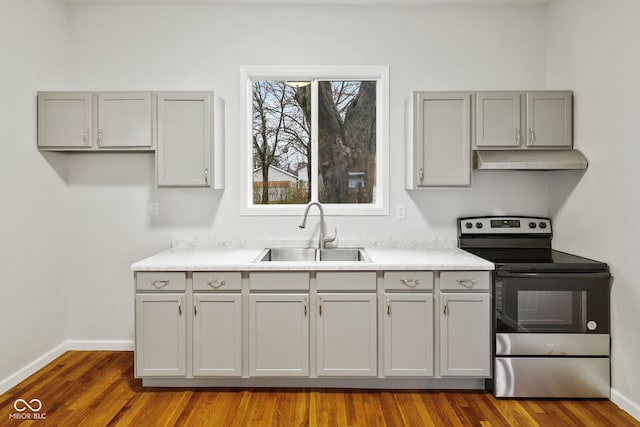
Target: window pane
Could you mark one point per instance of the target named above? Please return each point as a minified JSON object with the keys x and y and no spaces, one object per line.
{"x":281,"y":142}
{"x":347,"y":141}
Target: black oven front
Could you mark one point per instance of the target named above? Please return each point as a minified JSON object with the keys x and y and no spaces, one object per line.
{"x":571,"y":303}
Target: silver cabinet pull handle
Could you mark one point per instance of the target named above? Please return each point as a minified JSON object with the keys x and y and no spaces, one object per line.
{"x":86,"y":137}
{"x":100,"y":137}
{"x":532,"y":136}
{"x":388,"y":307}
{"x":180,"y":306}
{"x":305,"y":307}
{"x":517,"y":136}
{"x":206,"y":176}
{"x":195,"y":309}
{"x":320,"y":307}
{"x":445,"y":310}
{"x":467,"y":283}
{"x":215,"y":284}
{"x":159,"y":284}
{"x":412,"y":283}
{"x":421,"y":175}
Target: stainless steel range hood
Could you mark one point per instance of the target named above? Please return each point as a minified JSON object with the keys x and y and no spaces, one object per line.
{"x":529,"y":160}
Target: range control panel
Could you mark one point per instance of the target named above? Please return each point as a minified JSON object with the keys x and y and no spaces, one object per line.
{"x":504,"y":225}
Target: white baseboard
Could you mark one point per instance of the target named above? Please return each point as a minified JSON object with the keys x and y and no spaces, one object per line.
{"x":42,"y":361}
{"x":626,"y":404}
{"x":100,"y":345}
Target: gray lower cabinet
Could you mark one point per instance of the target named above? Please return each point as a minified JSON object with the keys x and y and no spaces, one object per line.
{"x":408,"y":324}
{"x":278,"y":324}
{"x":346,"y":334}
{"x":217,"y":334}
{"x":465,"y":324}
{"x":408,"y":334}
{"x":278,"y":335}
{"x":160,"y":335}
{"x":208,"y":324}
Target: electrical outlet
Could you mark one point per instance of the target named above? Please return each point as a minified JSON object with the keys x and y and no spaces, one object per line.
{"x":401,"y":212}
{"x":154,"y":208}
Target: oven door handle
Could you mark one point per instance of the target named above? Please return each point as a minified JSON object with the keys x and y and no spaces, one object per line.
{"x":554,"y":275}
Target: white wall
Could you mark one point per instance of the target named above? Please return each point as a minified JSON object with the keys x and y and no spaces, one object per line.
{"x":203,"y":46}
{"x":593,"y":48}
{"x":33,"y":234}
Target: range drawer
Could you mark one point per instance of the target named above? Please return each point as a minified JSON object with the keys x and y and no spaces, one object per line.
{"x":217,"y":281}
{"x":161,"y":281}
{"x":408,"y":280}
{"x":465,"y":280}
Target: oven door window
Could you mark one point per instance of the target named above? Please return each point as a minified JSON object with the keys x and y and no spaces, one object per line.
{"x":540,"y":311}
{"x":555,"y":303}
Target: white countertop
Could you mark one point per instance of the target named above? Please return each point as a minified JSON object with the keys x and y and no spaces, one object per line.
{"x":234,"y":259}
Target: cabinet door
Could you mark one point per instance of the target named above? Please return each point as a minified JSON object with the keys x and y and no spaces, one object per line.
{"x":217,"y":335}
{"x":498,"y":119}
{"x":443,"y":138}
{"x":465,"y":338}
{"x":160,"y":335}
{"x":408,"y":335}
{"x":183,"y":153}
{"x":549,"y":119}
{"x":64,"y":120}
{"x":123,"y":120}
{"x":278,"y":335}
{"x":346,"y":335}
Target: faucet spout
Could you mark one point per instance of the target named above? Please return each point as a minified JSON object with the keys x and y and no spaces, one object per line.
{"x":303,"y":223}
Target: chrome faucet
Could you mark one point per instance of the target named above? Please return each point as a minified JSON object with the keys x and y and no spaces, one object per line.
{"x":322,"y":239}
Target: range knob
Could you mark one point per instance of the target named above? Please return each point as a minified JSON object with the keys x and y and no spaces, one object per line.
{"x":543,"y":225}
{"x":478,"y":225}
{"x":532,"y":225}
{"x":468,"y":225}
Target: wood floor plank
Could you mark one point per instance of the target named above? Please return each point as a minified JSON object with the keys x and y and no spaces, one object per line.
{"x":98,"y":389}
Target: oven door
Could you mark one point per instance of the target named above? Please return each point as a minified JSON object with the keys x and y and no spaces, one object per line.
{"x":573,"y":303}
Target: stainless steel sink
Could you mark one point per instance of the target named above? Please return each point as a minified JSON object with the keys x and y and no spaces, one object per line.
{"x":343,"y":254}
{"x":288,"y":254}
{"x":313,"y":254}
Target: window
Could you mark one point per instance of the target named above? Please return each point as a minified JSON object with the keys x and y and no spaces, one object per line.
{"x":316,"y":134}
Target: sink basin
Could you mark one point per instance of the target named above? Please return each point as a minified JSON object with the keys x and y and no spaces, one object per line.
{"x":312,"y":254}
{"x":343,"y":254}
{"x":288,"y":254}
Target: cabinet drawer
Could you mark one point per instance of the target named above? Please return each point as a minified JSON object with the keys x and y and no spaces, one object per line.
{"x":161,"y":281}
{"x":465,"y":280}
{"x":346,"y":281}
{"x":217,"y":281}
{"x":271,"y":281}
{"x":408,"y":280}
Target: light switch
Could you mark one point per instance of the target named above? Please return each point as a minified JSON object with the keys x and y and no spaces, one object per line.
{"x":401,"y":212}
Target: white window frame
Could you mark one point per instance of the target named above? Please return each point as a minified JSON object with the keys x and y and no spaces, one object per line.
{"x":379,"y":73}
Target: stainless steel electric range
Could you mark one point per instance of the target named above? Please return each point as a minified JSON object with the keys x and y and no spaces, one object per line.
{"x":551,"y":310}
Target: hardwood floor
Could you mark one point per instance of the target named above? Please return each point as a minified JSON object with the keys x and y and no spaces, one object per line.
{"x":98,"y":389}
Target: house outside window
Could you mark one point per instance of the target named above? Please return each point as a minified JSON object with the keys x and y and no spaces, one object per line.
{"x":316,"y":134}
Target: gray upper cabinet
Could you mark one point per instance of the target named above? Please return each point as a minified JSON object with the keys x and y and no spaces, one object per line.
{"x":80,"y":121}
{"x":185,"y":146}
{"x":438,"y":140}
{"x":524,"y":120}
{"x":123,"y":120}
{"x":64,"y":121}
